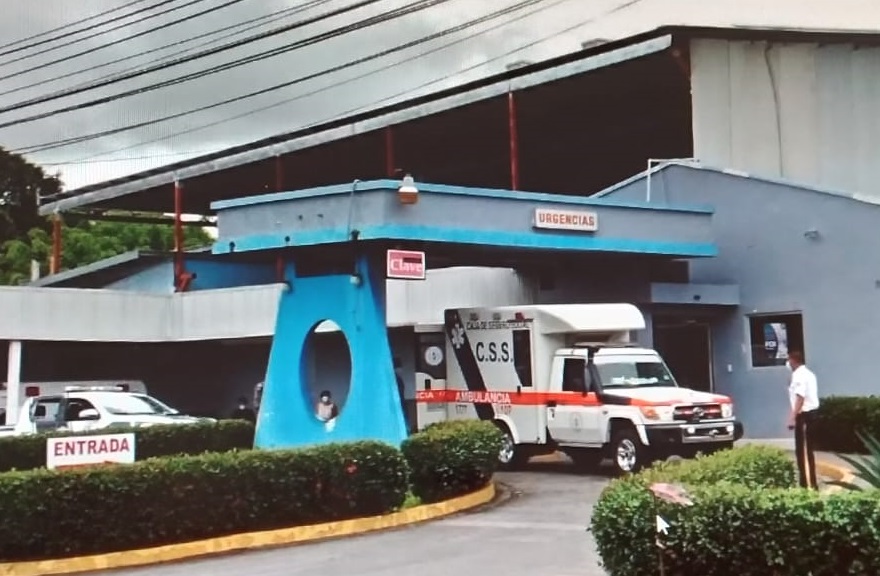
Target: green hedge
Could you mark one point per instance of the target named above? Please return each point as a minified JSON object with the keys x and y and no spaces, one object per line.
{"x":58,"y":514}
{"x":747,"y":520}
{"x":453,"y":458}
{"x":840,"y":418}
{"x":29,"y":452}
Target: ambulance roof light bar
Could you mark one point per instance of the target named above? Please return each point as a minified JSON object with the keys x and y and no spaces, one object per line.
{"x":118,"y":388}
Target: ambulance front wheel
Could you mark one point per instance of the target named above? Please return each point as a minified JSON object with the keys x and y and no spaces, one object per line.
{"x":510,"y":455}
{"x":627,"y":451}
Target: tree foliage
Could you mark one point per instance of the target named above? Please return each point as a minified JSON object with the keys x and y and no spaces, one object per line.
{"x":21,"y":185}
{"x":26,"y":236}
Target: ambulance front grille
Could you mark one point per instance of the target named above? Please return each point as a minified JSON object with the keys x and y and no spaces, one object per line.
{"x":697,"y":412}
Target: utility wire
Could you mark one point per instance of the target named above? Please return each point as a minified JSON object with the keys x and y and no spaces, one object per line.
{"x":397,"y":13}
{"x":405,"y":93}
{"x":505,"y":11}
{"x":260,"y":21}
{"x":409,"y":91}
{"x":72,"y":24}
{"x":199,"y":55}
{"x":114,"y":42}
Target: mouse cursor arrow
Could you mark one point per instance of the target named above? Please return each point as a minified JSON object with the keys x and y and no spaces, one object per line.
{"x":662,"y":525}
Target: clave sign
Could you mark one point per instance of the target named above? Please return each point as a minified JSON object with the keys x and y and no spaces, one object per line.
{"x":578,"y":221}
{"x":406,"y":265}
{"x":71,"y":451}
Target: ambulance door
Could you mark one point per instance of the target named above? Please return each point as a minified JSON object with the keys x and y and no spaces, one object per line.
{"x":430,"y":377}
{"x":565,"y":419}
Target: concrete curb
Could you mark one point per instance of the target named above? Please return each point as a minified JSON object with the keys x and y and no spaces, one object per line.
{"x":251,"y":541}
{"x":836,"y":472}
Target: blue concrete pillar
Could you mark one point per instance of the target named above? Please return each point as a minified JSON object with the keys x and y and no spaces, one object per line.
{"x":373,"y":408}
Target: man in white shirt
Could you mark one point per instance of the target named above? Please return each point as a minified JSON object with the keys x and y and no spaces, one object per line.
{"x":804,"y":398}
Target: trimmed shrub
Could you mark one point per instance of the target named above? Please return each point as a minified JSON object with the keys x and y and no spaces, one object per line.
{"x":840,"y":419}
{"x":742,"y":523}
{"x":756,"y":467}
{"x":449,"y":459}
{"x":53,"y":514}
{"x":29,"y":452}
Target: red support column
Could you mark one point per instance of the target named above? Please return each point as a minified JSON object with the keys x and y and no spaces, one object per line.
{"x":55,"y":260}
{"x":390,"y":169}
{"x":514,"y":141}
{"x":180,"y":277}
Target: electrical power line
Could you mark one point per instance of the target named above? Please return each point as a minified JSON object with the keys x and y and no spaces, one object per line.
{"x":193,"y":57}
{"x":245,"y":26}
{"x":416,"y":6}
{"x":408,"y":93}
{"x":75,"y":23}
{"x":516,"y":7}
{"x":126,"y":38}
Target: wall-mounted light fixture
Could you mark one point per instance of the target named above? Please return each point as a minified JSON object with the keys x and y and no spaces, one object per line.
{"x":408,"y":193}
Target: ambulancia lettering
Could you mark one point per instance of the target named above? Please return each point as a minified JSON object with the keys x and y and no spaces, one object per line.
{"x":480,"y":397}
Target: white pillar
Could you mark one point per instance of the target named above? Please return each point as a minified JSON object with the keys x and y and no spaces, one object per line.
{"x":13,"y":382}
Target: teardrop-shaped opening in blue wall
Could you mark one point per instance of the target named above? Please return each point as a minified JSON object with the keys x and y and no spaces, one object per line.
{"x":326,"y":365}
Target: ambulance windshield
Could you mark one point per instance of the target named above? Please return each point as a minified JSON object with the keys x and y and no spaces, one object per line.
{"x":631,"y":373}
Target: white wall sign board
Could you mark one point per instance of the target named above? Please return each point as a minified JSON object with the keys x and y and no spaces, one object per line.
{"x":577,"y":221}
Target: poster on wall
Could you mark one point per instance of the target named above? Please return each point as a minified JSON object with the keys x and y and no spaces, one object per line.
{"x":776,"y":343}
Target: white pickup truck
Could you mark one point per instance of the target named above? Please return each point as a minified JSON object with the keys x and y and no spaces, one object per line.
{"x":82,"y":409}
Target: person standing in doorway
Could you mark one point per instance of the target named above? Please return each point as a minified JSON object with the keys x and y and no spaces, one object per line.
{"x":401,"y":391}
{"x":326,"y":409}
{"x":803,"y":395}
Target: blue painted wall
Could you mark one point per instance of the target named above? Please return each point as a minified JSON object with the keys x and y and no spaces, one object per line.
{"x":157,"y":279}
{"x":210,"y":274}
{"x":833,"y":280}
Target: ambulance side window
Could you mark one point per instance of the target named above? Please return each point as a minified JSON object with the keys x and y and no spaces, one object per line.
{"x":573,"y":375}
{"x":522,"y":356}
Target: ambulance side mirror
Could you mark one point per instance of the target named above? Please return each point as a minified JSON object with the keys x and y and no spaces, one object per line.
{"x":89,"y":414}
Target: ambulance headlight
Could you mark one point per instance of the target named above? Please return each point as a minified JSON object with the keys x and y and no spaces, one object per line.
{"x":657,"y":413}
{"x":727,"y":410}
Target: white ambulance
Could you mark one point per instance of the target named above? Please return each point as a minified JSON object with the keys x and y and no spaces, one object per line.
{"x":565,"y":377}
{"x":11,"y":404}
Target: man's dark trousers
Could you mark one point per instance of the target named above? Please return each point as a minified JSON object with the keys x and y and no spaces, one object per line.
{"x":803,"y":445}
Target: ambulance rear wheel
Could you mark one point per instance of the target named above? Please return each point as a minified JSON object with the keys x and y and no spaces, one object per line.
{"x":627,"y":451}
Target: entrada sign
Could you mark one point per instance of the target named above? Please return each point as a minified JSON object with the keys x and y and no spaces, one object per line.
{"x":406,"y":265}
{"x":579,"y":221}
{"x":70,"y":451}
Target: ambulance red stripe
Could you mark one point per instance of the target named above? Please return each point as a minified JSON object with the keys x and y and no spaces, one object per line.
{"x":530,"y":398}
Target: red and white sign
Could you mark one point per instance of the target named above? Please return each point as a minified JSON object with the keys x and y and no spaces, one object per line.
{"x":577,"y":221}
{"x":89,"y":450}
{"x":406,"y":265}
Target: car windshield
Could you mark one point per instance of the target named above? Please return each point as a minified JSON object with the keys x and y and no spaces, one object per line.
{"x":135,"y":405}
{"x":633,"y":374}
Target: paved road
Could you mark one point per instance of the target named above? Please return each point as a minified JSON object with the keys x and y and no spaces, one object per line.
{"x":540,"y":531}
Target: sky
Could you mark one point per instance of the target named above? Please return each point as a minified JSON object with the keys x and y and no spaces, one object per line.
{"x":536,"y":32}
